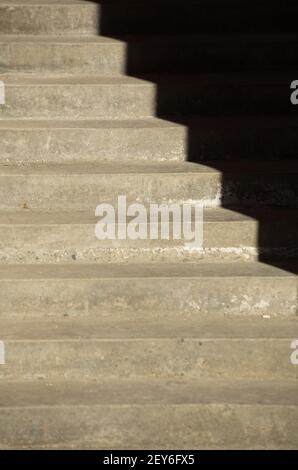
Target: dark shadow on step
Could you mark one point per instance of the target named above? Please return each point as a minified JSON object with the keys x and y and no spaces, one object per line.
{"x":224,"y":69}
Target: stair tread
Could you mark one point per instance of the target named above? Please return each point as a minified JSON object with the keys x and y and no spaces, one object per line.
{"x":126,"y":353}
{"x":204,"y":328}
{"x":214,"y":166}
{"x":148,"y":392}
{"x":101,"y":168}
{"x":211,"y":215}
{"x":52,"y":39}
{"x":151,"y":122}
{"x":23,"y":79}
{"x":45,"y":2}
{"x":48,"y":2}
{"x":204,"y":122}
{"x":99,"y":39}
{"x":130,"y":271}
{"x":84,"y":2}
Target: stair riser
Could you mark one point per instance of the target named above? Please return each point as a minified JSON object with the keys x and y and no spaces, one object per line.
{"x":121,"y":356}
{"x":155,"y":426}
{"x":49,"y":19}
{"x":159,"y":426}
{"x":223,"y":242}
{"x":161,"y":55}
{"x":86,"y":192}
{"x":145,"y":100}
{"x":177,"y":143}
{"x":65,"y":145}
{"x":79,"y":101}
{"x":164,"y":358}
{"x":92,"y":18}
{"x":149,"y":299}
{"x":105,"y":60}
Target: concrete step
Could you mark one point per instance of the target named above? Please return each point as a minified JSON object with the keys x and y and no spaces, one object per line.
{"x":107,"y":328}
{"x":73,"y":98}
{"x":149,"y":292}
{"x":69,"y":237}
{"x":146,"y":54}
{"x":58,"y":55}
{"x":139,"y":414}
{"x":82,"y":17}
{"x":80,"y":187}
{"x":142,"y":354}
{"x":194,"y":139}
{"x":202,"y":353}
{"x":48,"y":17}
{"x":31,"y":97}
{"x":140,"y":140}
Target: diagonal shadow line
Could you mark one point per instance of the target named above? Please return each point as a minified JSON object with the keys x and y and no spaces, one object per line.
{"x":232,"y":126}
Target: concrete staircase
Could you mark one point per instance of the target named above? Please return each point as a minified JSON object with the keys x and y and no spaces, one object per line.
{"x":138,"y":345}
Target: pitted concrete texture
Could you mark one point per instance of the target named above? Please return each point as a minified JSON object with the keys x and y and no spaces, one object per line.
{"x":147,"y":291}
{"x":148,"y":344}
{"x":159,"y":414}
{"x":68,"y":237}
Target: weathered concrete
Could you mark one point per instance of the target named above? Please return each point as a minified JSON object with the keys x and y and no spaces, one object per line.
{"x":84,"y":186}
{"x":150,"y":345}
{"x":92,"y":141}
{"x":87,"y":17}
{"x":48,"y":17}
{"x":191,"y":358}
{"x":154,"y":414}
{"x":92,"y":97}
{"x":106,"y":327}
{"x":149,"y":291}
{"x":25,"y":141}
{"x":69,"y":237}
{"x":108,"y":56}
